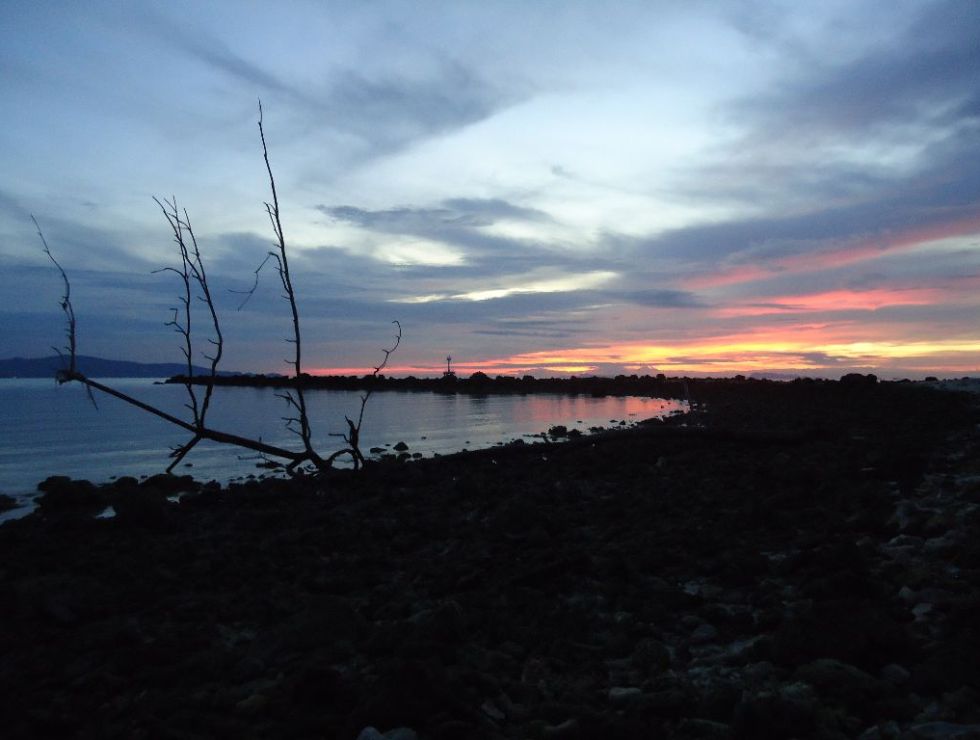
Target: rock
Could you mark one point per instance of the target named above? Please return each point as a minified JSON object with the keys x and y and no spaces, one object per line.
{"x":329,"y":622}
{"x":651,"y":655}
{"x":410,"y":693}
{"x":169,"y":483}
{"x":400,"y":447}
{"x":963,"y":704}
{"x":844,"y":682}
{"x":883,"y":731}
{"x":774,"y":714}
{"x":370,"y":733}
{"x":492,"y":711}
{"x":895,"y":674}
{"x":62,"y":494}
{"x":948,"y":665}
{"x":759,"y":673}
{"x":703,"y":729}
{"x":703,"y":634}
{"x":943,"y":731}
{"x":401,"y":733}
{"x":622,"y":696}
{"x":145,"y":508}
{"x":7,"y":502}
{"x":557,"y":431}
{"x":254,"y":704}
{"x":566,"y":730}
{"x":672,"y":703}
{"x":856,"y":632}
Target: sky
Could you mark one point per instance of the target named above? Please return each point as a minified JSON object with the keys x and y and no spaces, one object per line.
{"x":694,"y":188}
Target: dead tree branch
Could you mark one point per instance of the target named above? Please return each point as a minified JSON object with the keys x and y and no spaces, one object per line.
{"x":300,"y":423}
{"x":66,"y":307}
{"x":194,"y":285}
{"x":353,"y":435}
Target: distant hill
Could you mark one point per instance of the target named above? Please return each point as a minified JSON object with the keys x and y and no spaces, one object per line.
{"x":95,"y":367}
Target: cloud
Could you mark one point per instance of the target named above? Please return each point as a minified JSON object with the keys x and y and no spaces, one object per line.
{"x":659,"y":298}
{"x":464,"y":226}
{"x":925,"y":74}
{"x":385,"y":109}
{"x":883,"y":121}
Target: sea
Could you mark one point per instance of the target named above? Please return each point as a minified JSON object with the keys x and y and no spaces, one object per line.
{"x":50,"y":429}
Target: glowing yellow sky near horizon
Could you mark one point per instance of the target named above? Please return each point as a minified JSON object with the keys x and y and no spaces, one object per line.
{"x":764,"y":353}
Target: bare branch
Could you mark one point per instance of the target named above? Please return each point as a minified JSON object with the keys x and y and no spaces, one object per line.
{"x":283,"y":265}
{"x":194,"y":282}
{"x":251,"y":291}
{"x":66,"y":306}
{"x":353,"y":436}
{"x":170,"y":212}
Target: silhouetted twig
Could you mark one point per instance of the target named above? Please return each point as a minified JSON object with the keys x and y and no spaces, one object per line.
{"x":195,"y":284}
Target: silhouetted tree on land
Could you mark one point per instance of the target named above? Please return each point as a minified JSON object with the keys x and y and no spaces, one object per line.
{"x":194,"y":284}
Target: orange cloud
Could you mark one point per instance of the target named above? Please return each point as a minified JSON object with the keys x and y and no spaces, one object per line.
{"x":839,"y":300}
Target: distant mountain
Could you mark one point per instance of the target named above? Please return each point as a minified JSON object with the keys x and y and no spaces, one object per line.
{"x":95,"y":367}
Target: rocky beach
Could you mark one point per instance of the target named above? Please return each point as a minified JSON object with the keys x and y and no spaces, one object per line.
{"x":794,"y":559}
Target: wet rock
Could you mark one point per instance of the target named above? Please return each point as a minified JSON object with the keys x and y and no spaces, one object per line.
{"x":62,"y":494}
{"x":169,"y":483}
{"x":400,"y":447}
{"x":146,"y":508}
{"x":7,"y":502}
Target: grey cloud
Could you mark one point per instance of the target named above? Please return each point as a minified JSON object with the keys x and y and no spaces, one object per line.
{"x":495,"y":209}
{"x":524,"y":333}
{"x":930,"y":66}
{"x":387,"y":112}
{"x":947,"y":190}
{"x":452,"y":213}
{"x":658,"y":298}
{"x":810,"y":142}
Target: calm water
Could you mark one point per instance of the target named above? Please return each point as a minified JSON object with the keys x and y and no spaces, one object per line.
{"x":54,"y":430}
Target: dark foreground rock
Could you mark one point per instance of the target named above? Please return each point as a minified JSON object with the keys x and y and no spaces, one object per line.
{"x":806,"y":563}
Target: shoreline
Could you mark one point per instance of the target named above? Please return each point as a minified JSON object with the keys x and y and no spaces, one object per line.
{"x":804,"y":563}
